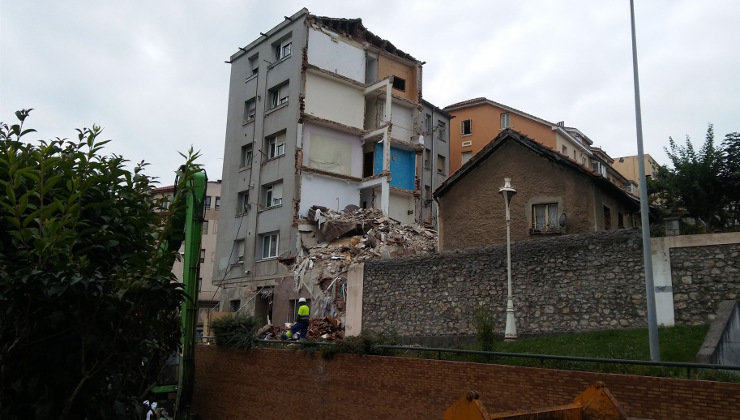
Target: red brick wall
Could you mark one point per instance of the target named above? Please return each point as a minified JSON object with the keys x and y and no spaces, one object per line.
{"x":286,"y":384}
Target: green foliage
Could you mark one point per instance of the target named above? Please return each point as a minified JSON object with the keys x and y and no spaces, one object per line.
{"x":88,"y":303}
{"x":702,"y":184}
{"x":366,"y":343}
{"x":484,"y":328}
{"x":235,"y":332}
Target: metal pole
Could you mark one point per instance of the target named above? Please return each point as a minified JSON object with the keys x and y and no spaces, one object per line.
{"x":510,"y":332}
{"x":646,"y":251}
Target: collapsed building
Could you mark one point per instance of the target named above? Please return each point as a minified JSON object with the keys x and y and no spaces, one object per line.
{"x":323,"y":115}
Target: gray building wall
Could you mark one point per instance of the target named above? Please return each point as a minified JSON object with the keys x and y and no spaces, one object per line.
{"x":436,"y":132}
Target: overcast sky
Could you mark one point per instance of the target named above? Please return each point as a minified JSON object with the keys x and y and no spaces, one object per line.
{"x":152,"y":73}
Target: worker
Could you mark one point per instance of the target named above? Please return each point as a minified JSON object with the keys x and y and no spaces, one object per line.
{"x":300,"y":328}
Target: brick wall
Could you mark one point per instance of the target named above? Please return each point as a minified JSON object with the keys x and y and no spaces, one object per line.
{"x":582,"y":282}
{"x":285,"y":384}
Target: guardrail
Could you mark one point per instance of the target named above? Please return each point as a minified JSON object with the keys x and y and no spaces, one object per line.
{"x":541,"y":357}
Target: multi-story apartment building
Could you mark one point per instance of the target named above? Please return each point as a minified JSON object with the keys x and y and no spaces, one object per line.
{"x":321,"y":112}
{"x":209,"y":293}
{"x":628,"y":166}
{"x":479,"y":120}
{"x":435,"y":164}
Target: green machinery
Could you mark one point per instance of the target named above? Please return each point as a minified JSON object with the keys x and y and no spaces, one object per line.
{"x":186,"y":215}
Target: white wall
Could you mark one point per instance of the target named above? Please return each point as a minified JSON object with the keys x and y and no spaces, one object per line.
{"x":399,"y":207}
{"x":324,"y":191}
{"x":333,"y":54}
{"x":334,"y":101}
{"x":403,"y":122}
{"x":344,"y":159}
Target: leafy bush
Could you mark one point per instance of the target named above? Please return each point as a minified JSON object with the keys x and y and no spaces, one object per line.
{"x":366,"y":343}
{"x":484,"y":330}
{"x":235,"y":332}
{"x":88,"y":302}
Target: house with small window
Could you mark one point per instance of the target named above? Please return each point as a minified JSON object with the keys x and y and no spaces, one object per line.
{"x":555,"y":195}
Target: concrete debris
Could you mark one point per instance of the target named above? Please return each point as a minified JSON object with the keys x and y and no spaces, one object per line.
{"x":331,"y":240}
{"x":326,"y":328}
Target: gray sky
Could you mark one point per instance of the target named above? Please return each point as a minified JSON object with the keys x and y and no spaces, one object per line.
{"x":152,"y":73}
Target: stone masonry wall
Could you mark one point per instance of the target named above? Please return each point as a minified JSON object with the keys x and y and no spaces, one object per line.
{"x":567,"y":283}
{"x":703,"y":277}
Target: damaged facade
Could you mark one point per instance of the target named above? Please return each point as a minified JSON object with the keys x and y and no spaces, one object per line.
{"x":321,"y":113}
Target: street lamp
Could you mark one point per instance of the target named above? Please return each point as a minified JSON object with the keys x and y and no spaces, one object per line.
{"x":508,"y":192}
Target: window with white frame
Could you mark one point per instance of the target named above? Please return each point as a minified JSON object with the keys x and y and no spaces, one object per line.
{"x":242,"y":202}
{"x":442,"y":130}
{"x":466,"y":127}
{"x":441,"y":164}
{"x":278,"y":95}
{"x":246,"y":160}
{"x":545,"y":217}
{"x":254,"y":64}
{"x":207,"y":202}
{"x":565,"y":150}
{"x":283,"y":49}
{"x":428,"y":122}
{"x":505,"y":120}
{"x":269,"y":245}
{"x":275,"y":145}
{"x":250,"y":109}
{"x":218,"y":203}
{"x":427,"y":158}
{"x":272,"y":194}
{"x":202,"y":255}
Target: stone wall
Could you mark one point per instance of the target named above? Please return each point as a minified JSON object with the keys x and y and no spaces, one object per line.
{"x":566,"y":283}
{"x":702,"y":278}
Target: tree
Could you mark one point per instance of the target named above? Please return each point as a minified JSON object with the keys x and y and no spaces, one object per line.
{"x":731,"y":176}
{"x":88,"y":302}
{"x":697,"y":183}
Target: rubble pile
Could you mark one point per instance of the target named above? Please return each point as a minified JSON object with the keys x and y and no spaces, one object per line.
{"x":332,"y":240}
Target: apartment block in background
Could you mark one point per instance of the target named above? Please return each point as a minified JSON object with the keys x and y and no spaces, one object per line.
{"x":435,"y":161}
{"x":320,"y":112}
{"x":209,"y":294}
{"x":628,"y":166}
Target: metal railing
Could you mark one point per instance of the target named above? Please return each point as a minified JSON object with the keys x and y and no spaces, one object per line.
{"x":540,"y":357}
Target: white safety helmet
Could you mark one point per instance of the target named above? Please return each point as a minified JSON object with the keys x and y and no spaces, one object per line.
{"x":302,"y":300}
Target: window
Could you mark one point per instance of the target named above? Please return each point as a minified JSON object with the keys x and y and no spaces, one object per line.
{"x":399,"y":83}
{"x":275,"y":145}
{"x":467,"y":143}
{"x":202,"y":255}
{"x":466,"y":127}
{"x":246,"y":155}
{"x":283,"y":49}
{"x":207,"y":202}
{"x":466,"y":156}
{"x":583,"y":160}
{"x":235,"y":304}
{"x":242,"y":202}
{"x":565,"y":150}
{"x":237,"y":253}
{"x":254,"y":64}
{"x":278,"y":95}
{"x":427,"y":194}
{"x":269,"y":243}
{"x":607,"y":218}
{"x":272,"y":194}
{"x":428,"y":122}
{"x":505,"y":120}
{"x":218,"y":203}
{"x":545,"y":218}
{"x":204,"y":231}
{"x":427,"y":158}
{"x":442,"y":130}
{"x":250,"y":107}
{"x":441,"y":164}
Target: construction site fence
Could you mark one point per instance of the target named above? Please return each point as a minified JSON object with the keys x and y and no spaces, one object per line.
{"x":542,"y":358}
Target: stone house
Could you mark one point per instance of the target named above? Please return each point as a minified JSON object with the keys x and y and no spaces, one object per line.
{"x":555,"y":195}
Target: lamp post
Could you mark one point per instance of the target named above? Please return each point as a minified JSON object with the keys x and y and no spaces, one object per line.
{"x":508,"y":192}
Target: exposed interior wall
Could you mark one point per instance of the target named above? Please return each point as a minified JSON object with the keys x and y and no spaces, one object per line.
{"x":401,"y":207}
{"x":402,"y":166}
{"x":326,"y":191}
{"x":278,"y":384}
{"x":333,"y":52}
{"x":327,"y":99}
{"x":402,"y":118}
{"x":332,"y":151}
{"x":388,"y":66}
